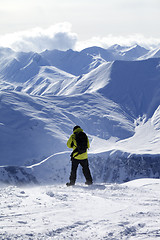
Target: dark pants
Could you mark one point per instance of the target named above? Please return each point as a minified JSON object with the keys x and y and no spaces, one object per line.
{"x":85,"y":168}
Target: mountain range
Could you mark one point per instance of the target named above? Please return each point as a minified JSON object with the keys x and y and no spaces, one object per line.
{"x":113,"y":94}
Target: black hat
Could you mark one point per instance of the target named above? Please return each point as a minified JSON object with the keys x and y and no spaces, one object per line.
{"x":76,"y":127}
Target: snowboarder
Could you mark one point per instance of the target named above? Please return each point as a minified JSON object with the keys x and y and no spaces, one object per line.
{"x":80,"y":143}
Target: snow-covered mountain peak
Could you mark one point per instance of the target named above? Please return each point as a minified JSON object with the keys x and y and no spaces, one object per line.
{"x":154,"y":53}
{"x":133,"y":52}
{"x":5,"y":52}
{"x":116,"y":47}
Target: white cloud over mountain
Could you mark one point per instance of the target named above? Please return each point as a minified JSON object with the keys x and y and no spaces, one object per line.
{"x":57,"y":36}
{"x":110,"y":40}
{"x":60,"y":36}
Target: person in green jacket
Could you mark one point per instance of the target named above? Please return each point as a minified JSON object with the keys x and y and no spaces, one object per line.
{"x":78,"y":158}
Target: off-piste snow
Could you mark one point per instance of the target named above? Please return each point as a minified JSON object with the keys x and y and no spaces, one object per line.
{"x":114,"y":95}
{"x":101,"y":211}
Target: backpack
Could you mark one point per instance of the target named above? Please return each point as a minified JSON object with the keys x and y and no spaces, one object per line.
{"x":82,"y":143}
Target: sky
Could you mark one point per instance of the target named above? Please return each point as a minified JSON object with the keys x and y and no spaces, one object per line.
{"x":76,"y":24}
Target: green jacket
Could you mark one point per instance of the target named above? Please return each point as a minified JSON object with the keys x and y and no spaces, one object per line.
{"x":71,"y":143}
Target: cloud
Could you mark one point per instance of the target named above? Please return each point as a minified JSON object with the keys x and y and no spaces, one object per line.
{"x":58,"y":36}
{"x":105,"y":42}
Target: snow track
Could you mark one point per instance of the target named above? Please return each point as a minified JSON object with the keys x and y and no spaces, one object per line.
{"x":116,"y":211}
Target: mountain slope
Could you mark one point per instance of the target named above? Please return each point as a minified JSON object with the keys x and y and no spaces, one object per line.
{"x":117,"y":52}
{"x":78,"y":63}
{"x":154,"y":53}
{"x":135,"y":85}
{"x":34,"y":127}
{"x":73,"y":62}
{"x":49,"y":80}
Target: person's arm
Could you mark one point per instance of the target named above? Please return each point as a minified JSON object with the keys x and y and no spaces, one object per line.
{"x":70,"y":142}
{"x":88,"y":144}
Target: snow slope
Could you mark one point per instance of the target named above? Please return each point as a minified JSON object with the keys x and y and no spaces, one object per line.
{"x":115,"y":211}
{"x":34,"y":127}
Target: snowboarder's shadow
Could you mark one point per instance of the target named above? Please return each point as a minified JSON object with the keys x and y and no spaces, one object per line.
{"x":91,"y":187}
